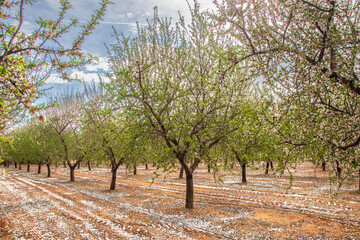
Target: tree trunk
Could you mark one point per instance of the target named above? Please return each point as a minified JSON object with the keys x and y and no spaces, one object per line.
{"x":323,"y":165}
{"x":208,"y":167}
{"x":114,"y":169}
{"x":72,"y":173}
{"x":338,"y":169}
{"x":39,"y":168}
{"x":48,"y":168}
{"x":15,"y":165}
{"x":72,"y":170}
{"x":359,"y":177}
{"x":113,"y":179}
{"x":19,"y":166}
{"x":181,"y":174}
{"x":189,"y":204}
{"x":146,"y":166}
{"x":28,"y":167}
{"x":134,"y":169}
{"x":272,"y":165}
{"x":267,"y":168}
{"x":242,"y":163}
{"x":243,"y":172}
{"x":89,"y":165}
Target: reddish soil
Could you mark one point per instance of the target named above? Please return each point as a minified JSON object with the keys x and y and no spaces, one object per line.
{"x":33,"y":206}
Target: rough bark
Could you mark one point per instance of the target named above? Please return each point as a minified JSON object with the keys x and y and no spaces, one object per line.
{"x":134,"y":172}
{"x":146,"y":166}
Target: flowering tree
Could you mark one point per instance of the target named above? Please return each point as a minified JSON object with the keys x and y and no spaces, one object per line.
{"x":27,"y":59}
{"x":64,"y":122}
{"x":174,"y":78}
{"x":108,"y":129}
{"x":308,"y":51}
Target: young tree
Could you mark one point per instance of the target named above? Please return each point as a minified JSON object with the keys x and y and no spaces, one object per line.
{"x":64,"y":122}
{"x":244,"y":143}
{"x":110,"y":129}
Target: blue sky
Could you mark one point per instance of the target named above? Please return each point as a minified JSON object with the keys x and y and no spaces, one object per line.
{"x":122,"y":15}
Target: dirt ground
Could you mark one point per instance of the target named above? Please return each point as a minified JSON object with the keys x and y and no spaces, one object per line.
{"x":33,"y":206}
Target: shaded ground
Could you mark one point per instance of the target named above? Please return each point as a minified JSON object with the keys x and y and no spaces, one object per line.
{"x":35,"y":207}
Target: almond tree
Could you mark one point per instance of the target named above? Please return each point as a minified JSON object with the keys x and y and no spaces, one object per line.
{"x":64,"y":121}
{"x":244,"y":144}
{"x":173,"y":76}
{"x":309,"y":54}
{"x":27,"y":59}
{"x":108,"y":128}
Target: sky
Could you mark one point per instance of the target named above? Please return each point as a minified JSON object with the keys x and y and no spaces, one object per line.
{"x":122,"y":15}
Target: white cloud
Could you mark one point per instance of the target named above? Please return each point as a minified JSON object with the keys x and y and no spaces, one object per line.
{"x":101,"y":66}
{"x":86,"y":77}
{"x":80,"y":75}
{"x":55,"y":78}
